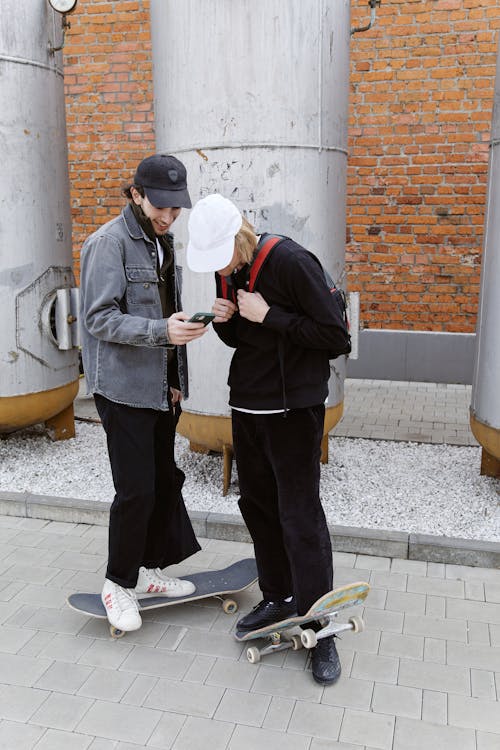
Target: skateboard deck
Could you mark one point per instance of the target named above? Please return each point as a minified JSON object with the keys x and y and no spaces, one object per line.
{"x":211,"y":583}
{"x":325,"y":610}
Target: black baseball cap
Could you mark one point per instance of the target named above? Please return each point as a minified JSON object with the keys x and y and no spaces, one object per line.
{"x":163,"y":178}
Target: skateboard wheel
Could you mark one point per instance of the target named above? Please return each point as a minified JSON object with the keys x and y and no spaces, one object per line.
{"x":229,"y":606}
{"x":296,"y":643}
{"x":308,"y":638}
{"x":357,"y":624}
{"x":253,"y":655}
{"x":116,"y":632}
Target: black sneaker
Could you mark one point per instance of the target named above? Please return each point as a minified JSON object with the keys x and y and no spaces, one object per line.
{"x":325,"y":661}
{"x":265,"y":613}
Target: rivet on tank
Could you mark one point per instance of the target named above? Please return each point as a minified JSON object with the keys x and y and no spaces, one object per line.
{"x":38,"y":337}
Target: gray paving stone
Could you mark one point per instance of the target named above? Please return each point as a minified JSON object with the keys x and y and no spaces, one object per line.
{"x":251,"y":711}
{"x":211,"y":644}
{"x":408,"y":646}
{"x":21,"y":670}
{"x":483,"y":684}
{"x":350,"y":693}
{"x":200,"y":668}
{"x":433,"y":627}
{"x":400,"y":601}
{"x":435,"y":586}
{"x":391,"y":622}
{"x":478,"y":611}
{"x":397,"y":700}
{"x":298,"y":685}
{"x":55,"y":620}
{"x":20,"y":703}
{"x":365,"y":728}
{"x":139,"y":690}
{"x":319,"y":720}
{"x":250,"y":738}
{"x":230,"y":674}
{"x":199,"y":734}
{"x":474,"y":713}
{"x":116,"y":722}
{"x":185,"y":698}
{"x":63,"y":680}
{"x":19,"y":736}
{"x":55,"y":739}
{"x":434,"y":707}
{"x":430,"y":676}
{"x":487,"y":741}
{"x":12,"y":640}
{"x":478,"y":634}
{"x":435,"y":606}
{"x":65,"y":647}
{"x":106,"y":684}
{"x":479,"y":657}
{"x":435,"y":650}
{"x":167,"y":731}
{"x":143,"y":660}
{"x":61,"y":711}
{"x":411,"y":734}
{"x":110,"y":654}
{"x":374,"y":667}
{"x":278,"y":714}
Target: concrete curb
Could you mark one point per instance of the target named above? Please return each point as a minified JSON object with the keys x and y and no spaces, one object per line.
{"x":377,"y":542}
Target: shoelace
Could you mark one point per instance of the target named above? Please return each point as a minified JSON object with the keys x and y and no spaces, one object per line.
{"x":126,"y":598}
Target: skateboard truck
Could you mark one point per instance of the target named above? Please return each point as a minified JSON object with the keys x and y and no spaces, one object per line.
{"x":307,"y":639}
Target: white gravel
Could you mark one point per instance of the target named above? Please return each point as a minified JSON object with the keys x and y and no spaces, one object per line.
{"x":410,"y":487}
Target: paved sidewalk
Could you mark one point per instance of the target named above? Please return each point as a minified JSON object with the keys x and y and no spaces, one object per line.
{"x":386,"y":410}
{"x":424,"y":674}
{"x":414,"y":412}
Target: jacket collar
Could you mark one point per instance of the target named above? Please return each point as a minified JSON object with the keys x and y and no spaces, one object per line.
{"x":133,"y":227}
{"x":137,"y":232}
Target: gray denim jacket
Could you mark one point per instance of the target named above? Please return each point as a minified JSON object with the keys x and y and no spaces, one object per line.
{"x":124,"y":336}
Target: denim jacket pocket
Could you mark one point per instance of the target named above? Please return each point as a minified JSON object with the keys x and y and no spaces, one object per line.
{"x":142,"y":286}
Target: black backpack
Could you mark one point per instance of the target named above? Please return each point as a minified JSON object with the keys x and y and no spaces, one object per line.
{"x":338,"y":297}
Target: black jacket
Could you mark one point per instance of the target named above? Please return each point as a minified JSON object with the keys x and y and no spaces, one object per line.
{"x":283,"y":362}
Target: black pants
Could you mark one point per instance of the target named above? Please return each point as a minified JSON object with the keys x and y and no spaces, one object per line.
{"x":148,"y":523}
{"x":278,"y":470}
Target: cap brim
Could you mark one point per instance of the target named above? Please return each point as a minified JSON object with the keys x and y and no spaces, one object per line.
{"x":168,"y":198}
{"x":215,"y":259}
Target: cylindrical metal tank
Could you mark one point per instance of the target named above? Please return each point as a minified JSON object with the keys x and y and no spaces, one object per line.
{"x":38,"y":379}
{"x":253,"y":98}
{"x":485,"y":402}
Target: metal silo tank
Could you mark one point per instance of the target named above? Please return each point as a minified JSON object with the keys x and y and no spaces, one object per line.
{"x":485,"y":402}
{"x":38,"y":378}
{"x":253,"y":98}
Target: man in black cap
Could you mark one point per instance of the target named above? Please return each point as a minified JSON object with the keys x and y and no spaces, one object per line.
{"x":134,"y":337}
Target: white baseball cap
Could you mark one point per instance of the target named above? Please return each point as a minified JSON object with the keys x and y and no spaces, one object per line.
{"x":213,"y":224}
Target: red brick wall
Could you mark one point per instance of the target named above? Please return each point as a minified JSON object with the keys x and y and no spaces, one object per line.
{"x":109,"y":106}
{"x":420,"y":115}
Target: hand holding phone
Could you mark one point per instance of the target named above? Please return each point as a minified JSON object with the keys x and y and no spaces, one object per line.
{"x":202,"y":317}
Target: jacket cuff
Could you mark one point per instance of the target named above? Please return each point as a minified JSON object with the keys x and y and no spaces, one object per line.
{"x":159,"y":333}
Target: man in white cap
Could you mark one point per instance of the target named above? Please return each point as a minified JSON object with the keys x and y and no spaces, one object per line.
{"x":134,"y":336}
{"x":283,"y":335}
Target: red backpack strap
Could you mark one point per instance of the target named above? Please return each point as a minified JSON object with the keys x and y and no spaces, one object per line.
{"x":260,"y":259}
{"x":227,"y":292}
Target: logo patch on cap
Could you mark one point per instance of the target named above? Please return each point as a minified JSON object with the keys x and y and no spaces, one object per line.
{"x":172,"y":173}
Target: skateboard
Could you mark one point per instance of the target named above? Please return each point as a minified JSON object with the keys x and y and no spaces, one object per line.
{"x":211,"y":583}
{"x":325,"y":610}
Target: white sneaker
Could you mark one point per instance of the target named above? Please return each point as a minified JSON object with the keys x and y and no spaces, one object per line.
{"x":151,"y":581}
{"x":121,"y":606}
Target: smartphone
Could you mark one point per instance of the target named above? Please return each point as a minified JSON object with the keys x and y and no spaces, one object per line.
{"x":202,"y":317}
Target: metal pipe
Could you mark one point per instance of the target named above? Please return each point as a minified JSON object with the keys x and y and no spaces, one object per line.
{"x":373,"y":4}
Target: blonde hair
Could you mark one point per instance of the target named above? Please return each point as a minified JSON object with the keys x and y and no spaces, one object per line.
{"x":245,"y":241}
